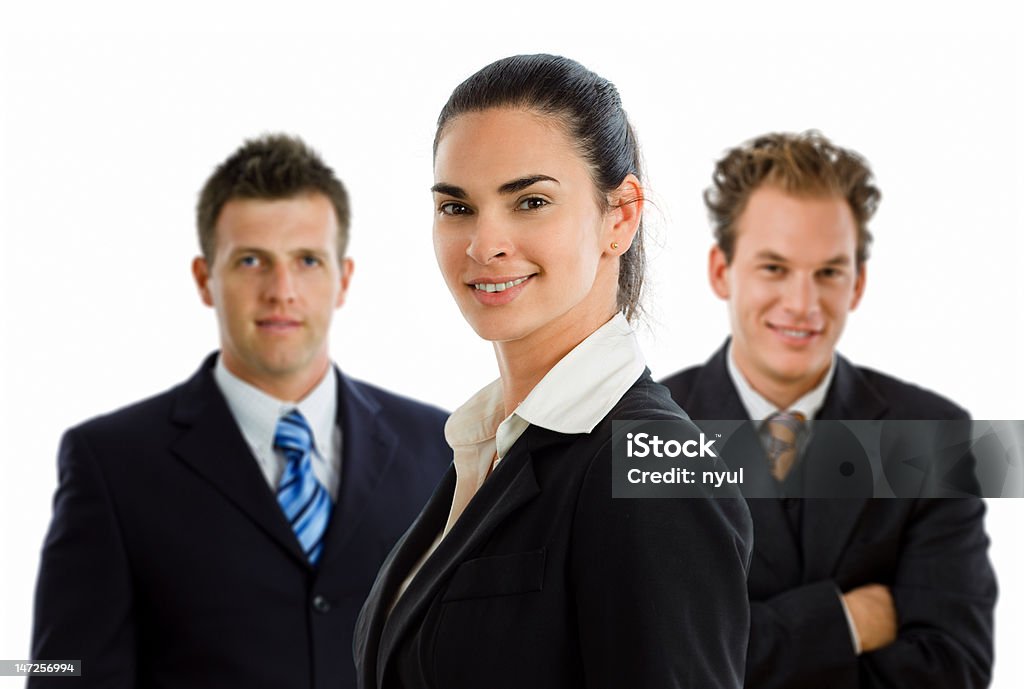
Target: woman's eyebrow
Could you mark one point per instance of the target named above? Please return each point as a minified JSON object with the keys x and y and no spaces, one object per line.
{"x":449,"y":190}
{"x":524,"y":182}
{"x":512,"y":187}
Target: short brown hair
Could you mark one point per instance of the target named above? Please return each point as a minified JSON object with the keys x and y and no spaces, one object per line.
{"x":801,"y":164}
{"x":272,"y":167}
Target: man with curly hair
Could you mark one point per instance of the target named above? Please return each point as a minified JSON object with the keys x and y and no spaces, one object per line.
{"x":844,"y":593}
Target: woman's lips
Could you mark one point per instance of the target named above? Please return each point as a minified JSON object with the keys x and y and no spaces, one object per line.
{"x":496,"y":291}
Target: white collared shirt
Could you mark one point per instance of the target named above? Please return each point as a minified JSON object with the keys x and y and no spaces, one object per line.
{"x":573,"y":397}
{"x":759,"y":409}
{"x":257,"y":414}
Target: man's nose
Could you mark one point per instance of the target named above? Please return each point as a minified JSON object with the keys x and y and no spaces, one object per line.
{"x":800,"y":297}
{"x":280,"y":284}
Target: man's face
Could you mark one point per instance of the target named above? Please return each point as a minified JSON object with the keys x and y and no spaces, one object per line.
{"x":791,"y":283}
{"x":275,"y":283}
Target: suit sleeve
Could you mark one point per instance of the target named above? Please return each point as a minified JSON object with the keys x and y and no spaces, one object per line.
{"x":944,"y":591}
{"x":83,"y":601}
{"x":801,"y":638}
{"x":660,"y":588}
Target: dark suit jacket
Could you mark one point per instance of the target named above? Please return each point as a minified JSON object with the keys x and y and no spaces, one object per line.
{"x":547,"y":581}
{"x":169,"y":563}
{"x":932,"y":553}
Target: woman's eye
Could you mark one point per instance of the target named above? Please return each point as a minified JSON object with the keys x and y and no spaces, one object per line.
{"x":453,"y":208}
{"x":531,"y":203}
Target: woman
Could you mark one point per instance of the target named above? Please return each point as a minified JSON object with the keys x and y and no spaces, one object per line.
{"x":522,"y":571}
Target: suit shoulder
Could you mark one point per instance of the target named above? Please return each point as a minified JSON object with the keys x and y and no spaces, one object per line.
{"x":909,"y":401}
{"x":419,"y":427}
{"x":134,"y":415}
{"x":399,"y":406}
{"x":680,"y":383}
{"x":647,"y":400}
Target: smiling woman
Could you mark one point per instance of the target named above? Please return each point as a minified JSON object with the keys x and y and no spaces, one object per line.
{"x":522,"y":570}
{"x":499,"y":221}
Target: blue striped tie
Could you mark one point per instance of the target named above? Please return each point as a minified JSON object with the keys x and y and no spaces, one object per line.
{"x":305,"y":502}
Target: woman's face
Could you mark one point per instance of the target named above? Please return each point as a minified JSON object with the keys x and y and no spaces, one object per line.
{"x":519,"y":234}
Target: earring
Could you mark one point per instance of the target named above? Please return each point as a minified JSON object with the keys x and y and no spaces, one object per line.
{"x":615,"y":245}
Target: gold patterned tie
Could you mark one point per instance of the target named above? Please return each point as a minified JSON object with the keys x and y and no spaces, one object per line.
{"x":782,"y":434}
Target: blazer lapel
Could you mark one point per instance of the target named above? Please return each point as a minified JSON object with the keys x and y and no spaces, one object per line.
{"x":713,"y":396}
{"x":511,"y":485}
{"x":850,"y":396}
{"x":213,"y":446}
{"x":368,"y":450}
{"x":406,"y":553}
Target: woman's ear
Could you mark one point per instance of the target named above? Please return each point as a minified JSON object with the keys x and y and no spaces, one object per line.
{"x":623,"y":219}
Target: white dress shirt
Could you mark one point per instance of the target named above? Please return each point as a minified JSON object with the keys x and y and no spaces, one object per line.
{"x":257,"y":414}
{"x":573,"y":397}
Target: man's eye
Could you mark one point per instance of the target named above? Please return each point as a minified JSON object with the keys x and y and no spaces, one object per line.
{"x":453,"y":208}
{"x":829,"y":273}
{"x":311,"y":261}
{"x":531,"y":203}
{"x":773,"y":269}
{"x":249,"y":261}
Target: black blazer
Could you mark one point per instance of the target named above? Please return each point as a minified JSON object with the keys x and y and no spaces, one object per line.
{"x":169,"y":563}
{"x":547,"y":581}
{"x":931,"y":553}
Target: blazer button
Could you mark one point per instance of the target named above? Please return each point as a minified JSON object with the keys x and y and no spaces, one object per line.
{"x":321,"y":604}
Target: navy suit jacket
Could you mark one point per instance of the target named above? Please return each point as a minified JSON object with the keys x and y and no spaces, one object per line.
{"x":932,"y":553}
{"x":168,"y":562}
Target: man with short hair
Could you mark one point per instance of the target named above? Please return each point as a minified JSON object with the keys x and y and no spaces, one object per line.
{"x":843,"y":592}
{"x":226,"y":533}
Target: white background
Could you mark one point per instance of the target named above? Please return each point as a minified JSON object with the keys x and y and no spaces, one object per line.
{"x":112,"y":118}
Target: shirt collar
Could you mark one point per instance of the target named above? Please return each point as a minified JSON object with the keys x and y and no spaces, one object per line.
{"x":257,"y":412}
{"x":758,"y":408}
{"x":583,"y":387}
{"x":478,"y":418}
{"x":573,"y":397}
